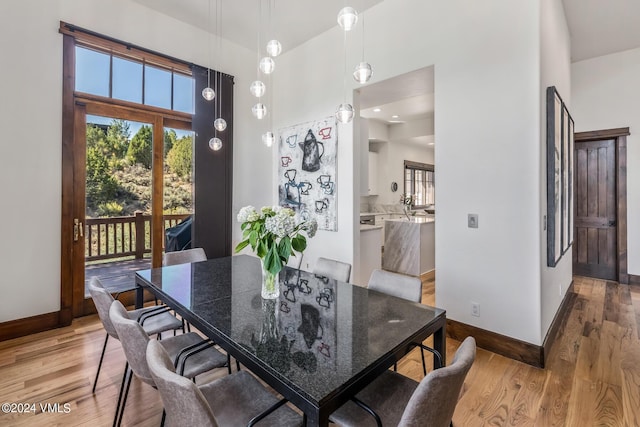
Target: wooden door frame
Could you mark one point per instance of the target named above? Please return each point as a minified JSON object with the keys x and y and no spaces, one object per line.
{"x":619,"y":135}
{"x":89,"y":105}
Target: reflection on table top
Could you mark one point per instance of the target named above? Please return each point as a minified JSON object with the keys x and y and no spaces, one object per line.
{"x":315,"y":337}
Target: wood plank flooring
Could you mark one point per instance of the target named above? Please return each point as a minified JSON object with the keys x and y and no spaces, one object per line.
{"x":592,"y":378}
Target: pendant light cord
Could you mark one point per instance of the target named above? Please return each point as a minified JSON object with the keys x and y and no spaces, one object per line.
{"x":362,"y":14}
{"x":209,"y":49}
{"x":344,"y":74}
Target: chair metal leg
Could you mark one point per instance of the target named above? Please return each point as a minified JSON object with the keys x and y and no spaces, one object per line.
{"x":124,"y":399}
{"x":229,"y":363}
{"x":424,"y":365}
{"x":104,"y":347}
{"x":124,"y":379}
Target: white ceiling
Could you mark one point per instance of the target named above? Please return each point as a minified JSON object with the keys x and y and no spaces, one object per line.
{"x":597,"y":27}
{"x":293,"y":21}
{"x":601,"y":27}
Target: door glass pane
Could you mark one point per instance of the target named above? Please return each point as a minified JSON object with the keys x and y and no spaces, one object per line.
{"x":157,"y":87}
{"x":127,"y":80}
{"x":178,"y":187}
{"x":118,"y":200}
{"x":92,"y":71}
{"x":183,"y":90}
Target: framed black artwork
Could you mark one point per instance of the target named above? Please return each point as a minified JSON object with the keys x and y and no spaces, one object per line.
{"x":559,"y":177}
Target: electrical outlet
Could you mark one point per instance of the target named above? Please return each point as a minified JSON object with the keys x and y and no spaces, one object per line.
{"x":472,"y":220}
{"x":475,"y":309}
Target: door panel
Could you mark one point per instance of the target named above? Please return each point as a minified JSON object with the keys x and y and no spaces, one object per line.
{"x":595,"y":248}
{"x":108,"y":243}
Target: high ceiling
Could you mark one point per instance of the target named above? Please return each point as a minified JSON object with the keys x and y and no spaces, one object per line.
{"x":293,"y":21}
{"x":597,"y":27}
{"x":601,"y":27}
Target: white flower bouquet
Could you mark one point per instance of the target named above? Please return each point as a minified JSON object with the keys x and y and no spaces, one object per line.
{"x":274,"y":234}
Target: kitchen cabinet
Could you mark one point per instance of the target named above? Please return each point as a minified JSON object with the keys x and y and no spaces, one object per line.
{"x":373,"y":174}
{"x":370,"y":252}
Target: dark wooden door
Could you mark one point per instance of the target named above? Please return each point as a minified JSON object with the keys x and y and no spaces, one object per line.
{"x":595,"y":246}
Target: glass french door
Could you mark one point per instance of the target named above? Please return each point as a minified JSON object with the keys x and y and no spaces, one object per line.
{"x":122,"y":183}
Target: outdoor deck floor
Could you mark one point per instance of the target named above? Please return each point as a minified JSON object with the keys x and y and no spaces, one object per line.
{"x":117,"y":276}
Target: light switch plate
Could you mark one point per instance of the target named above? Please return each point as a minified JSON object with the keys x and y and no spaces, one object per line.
{"x":472,"y":220}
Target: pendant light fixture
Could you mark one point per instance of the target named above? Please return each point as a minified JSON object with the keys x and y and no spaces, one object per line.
{"x":258,"y":88}
{"x":215,"y":143}
{"x":347,"y":18}
{"x":207,"y":92}
{"x":274,"y":48}
{"x":267,"y":65}
{"x":259,"y":110}
{"x":219,"y":124}
{"x":363,"y":71}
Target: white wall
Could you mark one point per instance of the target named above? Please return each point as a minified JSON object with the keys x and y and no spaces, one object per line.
{"x":308,"y":84}
{"x":555,"y":53}
{"x":486,"y":57}
{"x":605,"y":94}
{"x":31,"y":112}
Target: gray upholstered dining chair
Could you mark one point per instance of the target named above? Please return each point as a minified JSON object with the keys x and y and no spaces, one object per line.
{"x":183,"y":257}
{"x":156,"y":319}
{"x":395,"y":400}
{"x":401,"y":286}
{"x":235,"y":400}
{"x":338,"y":270}
{"x":192,"y":354}
{"x":396,"y":284}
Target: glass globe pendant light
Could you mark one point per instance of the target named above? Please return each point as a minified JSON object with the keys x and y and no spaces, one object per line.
{"x":215,"y":143}
{"x":347,"y":18}
{"x":267,"y":65}
{"x":363,"y":72}
{"x":257,"y":89}
{"x":344,"y":113}
{"x":274,"y":48}
{"x":220,"y":124}
{"x":268,"y":138}
{"x":208,"y":93}
{"x":259,"y":110}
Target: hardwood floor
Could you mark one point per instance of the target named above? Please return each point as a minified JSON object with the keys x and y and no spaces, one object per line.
{"x":592,"y":378}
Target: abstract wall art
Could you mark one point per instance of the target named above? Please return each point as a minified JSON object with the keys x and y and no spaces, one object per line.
{"x":307,"y":160}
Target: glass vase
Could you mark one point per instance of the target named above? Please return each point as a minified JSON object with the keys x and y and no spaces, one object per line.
{"x":270,"y":283}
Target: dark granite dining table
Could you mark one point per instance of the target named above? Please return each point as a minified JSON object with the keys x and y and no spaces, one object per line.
{"x":318,"y":344}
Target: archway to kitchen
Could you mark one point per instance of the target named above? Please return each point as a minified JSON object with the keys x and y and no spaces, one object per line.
{"x":397,"y":177}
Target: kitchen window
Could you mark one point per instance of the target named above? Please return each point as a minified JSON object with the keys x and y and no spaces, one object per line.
{"x":419,"y":181}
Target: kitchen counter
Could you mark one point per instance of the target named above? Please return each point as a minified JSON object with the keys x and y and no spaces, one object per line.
{"x":367,"y":227}
{"x":409,"y":245}
{"x":418,"y":219}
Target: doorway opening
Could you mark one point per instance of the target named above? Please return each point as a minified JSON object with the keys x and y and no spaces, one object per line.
{"x":396,"y":127}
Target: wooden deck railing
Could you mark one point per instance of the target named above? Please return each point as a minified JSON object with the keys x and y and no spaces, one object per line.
{"x":123,"y":236}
